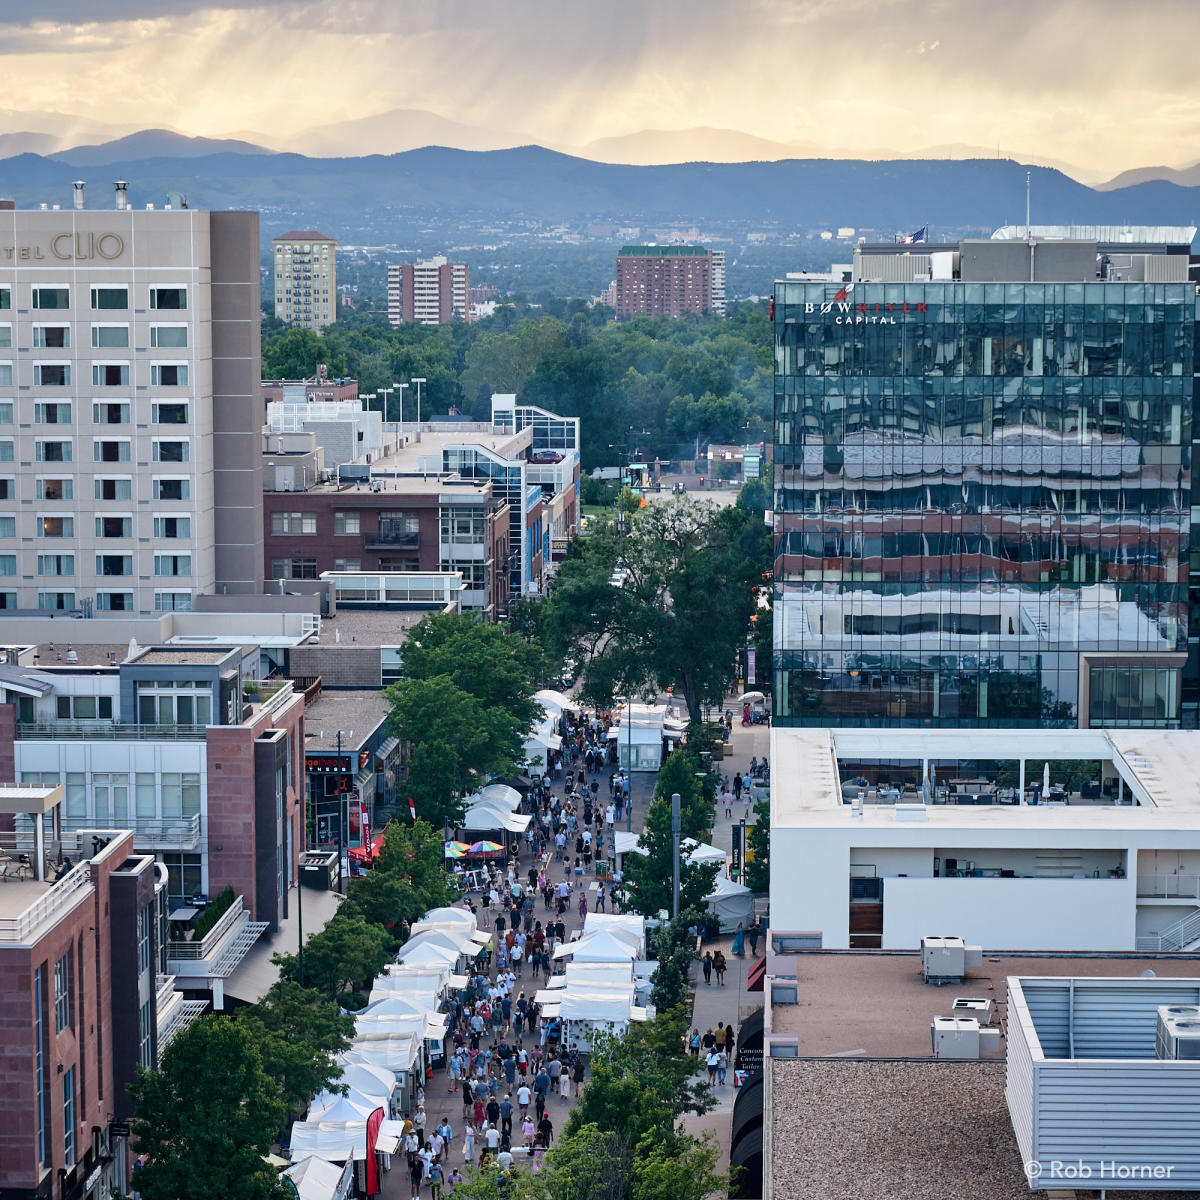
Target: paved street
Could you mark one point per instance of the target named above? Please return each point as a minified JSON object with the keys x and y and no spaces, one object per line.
{"x":712,"y":1004}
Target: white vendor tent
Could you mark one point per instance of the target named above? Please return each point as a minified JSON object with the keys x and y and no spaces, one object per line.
{"x":700,"y":853}
{"x":428,"y":952}
{"x":641,"y":725}
{"x":731,"y":903}
{"x":555,"y":703}
{"x":489,"y":815}
{"x":447,"y":916}
{"x":391,"y":1004}
{"x":367,"y":1080}
{"x":316,"y":1179}
{"x":602,"y":946}
{"x":584,"y":1013}
{"x":430,"y":1026}
{"x":334,"y":1141}
{"x":499,"y":793}
{"x":395,"y":1052}
{"x":333,"y":1107}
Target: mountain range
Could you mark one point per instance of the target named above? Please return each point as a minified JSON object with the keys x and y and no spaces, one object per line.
{"x":378,"y":198}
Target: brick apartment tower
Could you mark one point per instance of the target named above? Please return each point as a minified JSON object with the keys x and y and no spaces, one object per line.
{"x":663,"y":281}
{"x":429,"y":293}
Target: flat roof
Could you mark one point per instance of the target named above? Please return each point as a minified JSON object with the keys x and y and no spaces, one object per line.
{"x":862,"y":1003}
{"x":193,"y":656}
{"x":16,"y":895}
{"x":356,"y":713}
{"x":88,"y":654}
{"x":363,"y":627}
{"x":1159,"y":767}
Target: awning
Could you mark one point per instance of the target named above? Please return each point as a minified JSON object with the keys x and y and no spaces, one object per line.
{"x":756,"y":974}
{"x":384,"y":751}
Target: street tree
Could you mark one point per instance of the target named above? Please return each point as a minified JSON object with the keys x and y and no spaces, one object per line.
{"x":682,"y":614}
{"x":679,"y":1167}
{"x":298,"y":1032}
{"x":348,"y":953}
{"x":205,"y":1119}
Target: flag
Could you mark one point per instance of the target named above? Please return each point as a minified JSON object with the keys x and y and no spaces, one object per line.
{"x":412,"y":810}
{"x":920,"y":235}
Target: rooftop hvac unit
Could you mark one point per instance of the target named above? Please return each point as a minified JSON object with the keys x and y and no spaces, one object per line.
{"x":1178,"y":1034}
{"x":962,"y":1038}
{"x":947,"y":959}
{"x":979,"y":1007}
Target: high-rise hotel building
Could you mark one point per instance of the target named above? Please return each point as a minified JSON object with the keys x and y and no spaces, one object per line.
{"x":669,"y":281}
{"x":983,"y":456}
{"x":433,"y":292}
{"x":305,"y":278}
{"x":130,"y":472}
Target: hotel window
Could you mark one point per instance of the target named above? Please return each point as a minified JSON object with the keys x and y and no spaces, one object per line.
{"x":114,"y":601}
{"x":69,"y":1117}
{"x":114,"y":527}
{"x":184,"y":876}
{"x":293,"y":522}
{"x":6,"y":451}
{"x":293,"y":568}
{"x":174,"y":336}
{"x":62,"y":991}
{"x":345,"y":522}
{"x":347,"y":564}
{"x":174,"y":703}
{"x":164,"y":298}
{"x":6,"y":412}
{"x":110,"y":297}
{"x":76,"y":794}
{"x":52,"y":374}
{"x":52,"y":414}
{"x":169,"y":414}
{"x":56,"y":564}
{"x":172,"y":489}
{"x":51,"y":297}
{"x":119,"y":488}
{"x":172,"y":601}
{"x":56,"y":527}
{"x":172,"y":564}
{"x":110,"y":335}
{"x":172,"y":527}
{"x":39,"y":1058}
{"x":105,"y":413}
{"x":6,"y":374}
{"x":145,"y":1025}
{"x":170,"y":451}
{"x":56,"y":601}
{"x":9,"y":600}
{"x":146,"y":794}
{"x":52,"y":451}
{"x":169,"y":374}
{"x":181,"y":792}
{"x":113,"y":451}
{"x":145,"y":943}
{"x":114,"y":564}
{"x":51,"y":489}
{"x":8,"y":564}
{"x":52,"y":337}
{"x":5,"y":298}
{"x":110,"y":374}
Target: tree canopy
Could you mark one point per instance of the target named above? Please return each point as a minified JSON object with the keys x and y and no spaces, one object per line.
{"x":349,"y":952}
{"x":683,"y":612}
{"x":207,"y":1116}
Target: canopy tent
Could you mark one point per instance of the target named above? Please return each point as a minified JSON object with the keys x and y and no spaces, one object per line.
{"x":316,"y":1179}
{"x":430,"y":1026}
{"x":395,"y":1052}
{"x":555,"y":702}
{"x":362,"y":854}
{"x":427,"y":953}
{"x":639,"y":733}
{"x":489,"y":815}
{"x":731,"y":903}
{"x":631,"y":925}
{"x":389,"y":1136}
{"x":498,"y":793}
{"x":367,"y":1080}
{"x":699,"y":853}
{"x":560,"y":988}
{"x":332,"y":1106}
{"x":432,"y":979}
{"x":447,"y":916}
{"x":334,"y":1141}
{"x":392,"y":1004}
{"x":602,"y":946}
{"x":586,"y":972}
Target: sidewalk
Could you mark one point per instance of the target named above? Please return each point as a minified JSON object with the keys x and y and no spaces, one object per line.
{"x":731,"y":1003}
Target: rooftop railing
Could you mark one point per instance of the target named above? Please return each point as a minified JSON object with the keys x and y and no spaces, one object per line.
{"x":49,"y":907}
{"x":77,"y":731}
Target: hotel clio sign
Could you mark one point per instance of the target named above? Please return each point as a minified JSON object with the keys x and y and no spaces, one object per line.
{"x":66,"y":247}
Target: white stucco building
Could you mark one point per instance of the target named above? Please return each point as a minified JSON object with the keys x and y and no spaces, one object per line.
{"x":1115,"y":873}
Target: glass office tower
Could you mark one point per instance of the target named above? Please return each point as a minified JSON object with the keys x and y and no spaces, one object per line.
{"x":983,"y":491}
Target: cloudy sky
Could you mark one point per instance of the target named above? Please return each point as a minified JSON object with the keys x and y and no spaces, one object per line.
{"x":1102,"y":83}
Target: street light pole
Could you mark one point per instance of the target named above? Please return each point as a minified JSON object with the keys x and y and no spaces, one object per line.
{"x":629,"y":770}
{"x":418,"y":380}
{"x":401,"y":387}
{"x":341,"y":804}
{"x":385,"y":393}
{"x":676,"y":823}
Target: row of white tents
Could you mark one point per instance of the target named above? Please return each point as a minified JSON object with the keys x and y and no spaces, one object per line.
{"x":494,"y":808}
{"x":398,"y":1036}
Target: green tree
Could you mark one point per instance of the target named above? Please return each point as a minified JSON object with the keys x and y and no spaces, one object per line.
{"x":455,"y":743}
{"x":207,"y":1116}
{"x":298,"y":1033}
{"x":680,"y":1167}
{"x":758,"y":870}
{"x":591,"y":1164}
{"x":674,"y":945}
{"x":295,"y":355}
{"x":681,"y":616}
{"x":349,"y":952}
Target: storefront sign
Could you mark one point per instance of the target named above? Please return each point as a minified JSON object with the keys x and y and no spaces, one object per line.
{"x":327,"y":764}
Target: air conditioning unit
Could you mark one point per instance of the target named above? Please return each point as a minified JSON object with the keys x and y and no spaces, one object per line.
{"x":1178,"y":1033}
{"x":979,"y":1007}
{"x":962,"y":1038}
{"x":947,"y":959}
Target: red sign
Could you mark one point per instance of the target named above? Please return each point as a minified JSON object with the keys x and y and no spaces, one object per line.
{"x":373,"y":1123}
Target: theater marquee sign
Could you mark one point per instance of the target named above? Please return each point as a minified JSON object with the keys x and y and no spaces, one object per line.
{"x":68,"y":247}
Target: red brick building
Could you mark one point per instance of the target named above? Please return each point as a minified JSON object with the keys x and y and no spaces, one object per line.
{"x":663,"y":281}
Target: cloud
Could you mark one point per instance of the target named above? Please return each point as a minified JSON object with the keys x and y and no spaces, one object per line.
{"x":1042,"y":80}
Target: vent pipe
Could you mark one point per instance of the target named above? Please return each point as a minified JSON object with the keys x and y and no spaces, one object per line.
{"x":122,"y":190}
{"x":80,"y":201}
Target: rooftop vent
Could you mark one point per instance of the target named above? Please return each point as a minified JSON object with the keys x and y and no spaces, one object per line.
{"x":121,"y":187}
{"x":80,"y":194}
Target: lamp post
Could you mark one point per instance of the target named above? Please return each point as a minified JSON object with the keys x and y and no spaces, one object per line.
{"x":676,"y":823}
{"x":418,"y":380}
{"x":385,"y":392}
{"x":400,"y":387}
{"x":341,"y":812}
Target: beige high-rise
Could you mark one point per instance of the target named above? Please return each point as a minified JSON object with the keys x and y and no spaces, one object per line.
{"x":305,"y":278}
{"x":130,"y":473}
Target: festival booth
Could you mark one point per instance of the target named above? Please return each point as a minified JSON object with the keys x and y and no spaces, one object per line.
{"x":585,"y":1013}
{"x":731,"y":903}
{"x":333,"y":1141}
{"x":630,"y":927}
{"x":642,"y":736}
{"x":603,"y":946}
{"x":700,"y":853}
{"x":555,"y":703}
{"x":399,"y":1053}
{"x":626,"y":843}
{"x":315,"y":1179}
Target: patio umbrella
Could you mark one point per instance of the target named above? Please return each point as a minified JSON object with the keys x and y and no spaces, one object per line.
{"x":456,"y":849}
{"x":366,"y":853}
{"x":485,"y":848}
{"x":752,"y":698}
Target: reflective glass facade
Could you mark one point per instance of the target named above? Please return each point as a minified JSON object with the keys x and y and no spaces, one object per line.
{"x":983,"y":497}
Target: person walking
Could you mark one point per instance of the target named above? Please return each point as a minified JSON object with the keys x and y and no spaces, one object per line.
{"x":727,"y":800}
{"x":711,"y":1062}
{"x":752,"y":934}
{"x":694,"y":1043}
{"x":707,"y":967}
{"x":469,"y":1143}
{"x":739,"y":942}
{"x":719,"y":966}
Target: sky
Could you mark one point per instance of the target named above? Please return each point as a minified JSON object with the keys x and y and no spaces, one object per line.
{"x":1101,"y":84}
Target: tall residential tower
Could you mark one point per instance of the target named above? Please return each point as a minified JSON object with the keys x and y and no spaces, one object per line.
{"x":306,"y":278}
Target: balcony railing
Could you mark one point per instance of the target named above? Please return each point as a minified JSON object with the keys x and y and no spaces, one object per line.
{"x":1169,"y":887}
{"x":75,"y":731}
{"x":149,"y":833}
{"x":392,"y":539}
{"x":208,"y":944}
{"x":48,"y":907}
